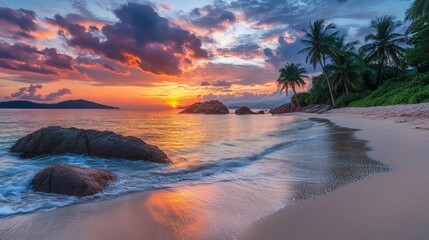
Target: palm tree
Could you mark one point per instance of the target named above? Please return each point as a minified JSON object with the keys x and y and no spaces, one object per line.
{"x":346,"y":70}
{"x":345,"y":67}
{"x":291,"y":76}
{"x":319,"y":40}
{"x":419,"y":9}
{"x":384,"y":46}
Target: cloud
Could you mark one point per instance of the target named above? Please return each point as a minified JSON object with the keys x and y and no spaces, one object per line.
{"x":23,"y":57}
{"x":218,"y":83}
{"x":246,"y":50}
{"x":92,"y":62}
{"x":30,"y":93}
{"x":140,"y":38}
{"x":18,"y":23}
{"x":285,"y":53}
{"x":205,"y":83}
{"x":211,"y":17}
{"x":252,"y":100}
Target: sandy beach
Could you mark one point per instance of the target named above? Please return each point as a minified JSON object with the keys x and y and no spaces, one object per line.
{"x":390,"y":205}
{"x":387,"y":205}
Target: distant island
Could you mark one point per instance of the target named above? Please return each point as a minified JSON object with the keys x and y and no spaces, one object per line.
{"x":71,"y":104}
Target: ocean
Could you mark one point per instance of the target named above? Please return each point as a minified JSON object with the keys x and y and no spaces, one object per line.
{"x":267,"y":162}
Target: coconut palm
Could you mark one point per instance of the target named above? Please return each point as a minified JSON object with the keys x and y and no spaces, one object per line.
{"x":419,"y":9}
{"x":319,"y":40}
{"x":384,"y":46}
{"x":345,"y":68}
{"x":291,"y":76}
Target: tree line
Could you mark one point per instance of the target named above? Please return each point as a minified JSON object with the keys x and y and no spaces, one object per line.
{"x":350,"y":73}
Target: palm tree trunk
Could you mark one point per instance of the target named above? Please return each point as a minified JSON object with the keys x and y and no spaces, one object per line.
{"x":296,"y":99}
{"x":346,"y":87}
{"x":381,"y":69}
{"x":329,"y":84}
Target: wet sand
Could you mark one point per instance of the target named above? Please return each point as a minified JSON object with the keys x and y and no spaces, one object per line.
{"x":392,"y":205}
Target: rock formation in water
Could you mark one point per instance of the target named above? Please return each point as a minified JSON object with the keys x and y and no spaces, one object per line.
{"x":58,"y":140}
{"x":71,"y":180}
{"x":293,"y":107}
{"x":210,"y":107}
{"x":245,"y":111}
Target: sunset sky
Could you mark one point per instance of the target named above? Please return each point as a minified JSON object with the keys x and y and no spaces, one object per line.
{"x":165,"y":53}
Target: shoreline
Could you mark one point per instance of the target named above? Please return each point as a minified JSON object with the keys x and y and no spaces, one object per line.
{"x":366,"y":209}
{"x":391,"y":205}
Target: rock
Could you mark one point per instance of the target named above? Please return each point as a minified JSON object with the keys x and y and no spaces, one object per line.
{"x":285,"y":108}
{"x":317,"y":108}
{"x":71,"y":180}
{"x":210,"y":107}
{"x":58,"y":140}
{"x":293,"y":107}
{"x":244,"y":111}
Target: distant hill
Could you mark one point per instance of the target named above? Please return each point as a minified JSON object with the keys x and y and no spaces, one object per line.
{"x":71,"y":104}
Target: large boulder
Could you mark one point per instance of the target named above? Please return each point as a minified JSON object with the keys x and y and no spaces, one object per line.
{"x":243,"y":111}
{"x":317,"y":108}
{"x":71,"y":180}
{"x":210,"y":107}
{"x":293,"y":107}
{"x":285,"y":108}
{"x":246,"y":111}
{"x":58,"y":140}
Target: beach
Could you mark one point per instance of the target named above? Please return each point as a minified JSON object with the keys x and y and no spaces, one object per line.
{"x":388,"y":203}
{"x":391,"y":205}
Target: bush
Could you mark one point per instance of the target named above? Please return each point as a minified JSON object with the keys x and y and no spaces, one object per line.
{"x":345,"y":100}
{"x":404,"y":89}
{"x":302,"y":98}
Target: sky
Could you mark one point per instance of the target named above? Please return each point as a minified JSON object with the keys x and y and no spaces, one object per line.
{"x":166,"y":53}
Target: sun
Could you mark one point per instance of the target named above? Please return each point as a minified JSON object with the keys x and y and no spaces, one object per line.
{"x":174,"y":105}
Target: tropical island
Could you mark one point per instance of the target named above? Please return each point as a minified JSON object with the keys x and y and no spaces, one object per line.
{"x":70,"y":104}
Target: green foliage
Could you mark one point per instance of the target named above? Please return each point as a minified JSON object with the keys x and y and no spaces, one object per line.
{"x":319,"y":93}
{"x":418,"y":55}
{"x":302,"y":98}
{"x":345,"y":100}
{"x":418,"y":9}
{"x":319,"y":41}
{"x":384,"y":46}
{"x":405,"y":89}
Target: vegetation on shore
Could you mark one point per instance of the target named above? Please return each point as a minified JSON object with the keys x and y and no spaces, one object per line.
{"x":388,"y":68}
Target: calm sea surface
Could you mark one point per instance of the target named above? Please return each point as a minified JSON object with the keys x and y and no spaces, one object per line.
{"x":269,"y":161}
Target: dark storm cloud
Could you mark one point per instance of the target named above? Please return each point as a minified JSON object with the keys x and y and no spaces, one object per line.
{"x":212,"y":17}
{"x":141,"y":38}
{"x":30,"y":93}
{"x":19,"y":22}
{"x":22,"y":57}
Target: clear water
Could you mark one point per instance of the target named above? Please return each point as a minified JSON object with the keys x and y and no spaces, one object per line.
{"x":283,"y":157}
